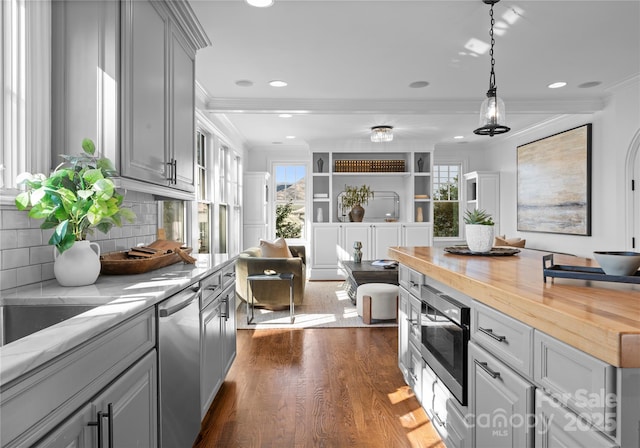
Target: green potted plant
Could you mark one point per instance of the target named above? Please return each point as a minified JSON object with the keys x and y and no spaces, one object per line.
{"x":353,"y":198}
{"x":479,"y":230}
{"x":75,"y":199}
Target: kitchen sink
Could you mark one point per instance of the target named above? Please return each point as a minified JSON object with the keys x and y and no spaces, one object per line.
{"x":18,"y":321}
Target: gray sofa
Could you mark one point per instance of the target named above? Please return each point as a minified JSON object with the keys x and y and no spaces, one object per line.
{"x":271,"y":294}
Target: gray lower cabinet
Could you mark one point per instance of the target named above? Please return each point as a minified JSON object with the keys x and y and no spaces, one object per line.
{"x":229,"y":327}
{"x":558,"y":427}
{"x":501,"y":401}
{"x":218,"y":333}
{"x":128,"y":406}
{"x":403,"y":331}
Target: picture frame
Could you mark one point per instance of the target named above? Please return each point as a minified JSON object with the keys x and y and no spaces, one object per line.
{"x":554,"y":183}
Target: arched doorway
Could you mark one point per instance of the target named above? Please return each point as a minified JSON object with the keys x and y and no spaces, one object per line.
{"x":632,"y":196}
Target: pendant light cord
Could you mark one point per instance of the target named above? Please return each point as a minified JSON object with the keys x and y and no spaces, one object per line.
{"x":492,"y":76}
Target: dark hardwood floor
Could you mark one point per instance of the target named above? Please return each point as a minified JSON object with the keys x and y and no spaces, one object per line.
{"x":329,"y":387}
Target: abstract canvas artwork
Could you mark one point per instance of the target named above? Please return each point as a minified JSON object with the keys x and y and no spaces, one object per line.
{"x":554,"y":183}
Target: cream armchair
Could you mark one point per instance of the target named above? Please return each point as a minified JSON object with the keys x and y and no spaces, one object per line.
{"x":272,"y":295}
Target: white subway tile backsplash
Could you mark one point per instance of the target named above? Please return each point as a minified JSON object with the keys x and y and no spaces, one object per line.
{"x":47,"y":271}
{"x":29,"y":274}
{"x":8,"y":239}
{"x":15,"y":219}
{"x":28,"y":238}
{"x":15,"y":258}
{"x":26,"y":257}
{"x":8,"y":278}
{"x":41,"y":254}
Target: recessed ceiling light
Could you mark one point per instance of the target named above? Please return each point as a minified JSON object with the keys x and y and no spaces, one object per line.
{"x":586,"y":85}
{"x":458,"y":137}
{"x":277,"y":83}
{"x":290,"y":137}
{"x":285,"y":115}
{"x":244,"y":83}
{"x":260,"y":3}
{"x":557,"y":85}
{"x":418,"y":84}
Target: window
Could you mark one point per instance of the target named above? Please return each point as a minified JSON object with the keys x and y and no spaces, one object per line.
{"x":446,"y":200}
{"x":203,"y":197}
{"x":290,"y":200}
{"x":173,"y":220}
{"x":25,"y":75}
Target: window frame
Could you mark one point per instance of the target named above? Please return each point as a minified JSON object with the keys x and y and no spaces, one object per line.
{"x":462,"y":164}
{"x":26,"y":123}
{"x":274,"y":203}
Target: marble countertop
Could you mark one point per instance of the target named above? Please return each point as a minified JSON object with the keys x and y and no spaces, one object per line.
{"x":117,"y":297}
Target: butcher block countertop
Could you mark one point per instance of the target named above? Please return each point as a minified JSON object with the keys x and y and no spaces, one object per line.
{"x":599,"y":318}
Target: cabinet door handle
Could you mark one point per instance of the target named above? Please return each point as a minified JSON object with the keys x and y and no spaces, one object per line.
{"x":489,"y":332}
{"x":212,"y":287}
{"x":485,"y":367}
{"x":98,"y":423}
{"x":109,"y":416}
{"x":225,"y":313}
{"x":230,"y":274}
{"x":437,"y":418}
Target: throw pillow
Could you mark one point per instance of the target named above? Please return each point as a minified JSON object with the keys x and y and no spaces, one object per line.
{"x":276,"y":249}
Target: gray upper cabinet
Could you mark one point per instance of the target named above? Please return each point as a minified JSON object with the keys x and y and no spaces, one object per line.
{"x":144,"y":83}
{"x":124,"y":75}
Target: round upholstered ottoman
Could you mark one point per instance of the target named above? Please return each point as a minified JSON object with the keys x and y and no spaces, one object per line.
{"x":377,"y":301}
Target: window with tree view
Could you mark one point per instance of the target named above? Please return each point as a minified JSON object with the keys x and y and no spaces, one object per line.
{"x":446,"y":201}
{"x":290,"y":200}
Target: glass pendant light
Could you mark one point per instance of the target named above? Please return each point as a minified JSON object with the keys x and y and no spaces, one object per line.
{"x":492,"y":112}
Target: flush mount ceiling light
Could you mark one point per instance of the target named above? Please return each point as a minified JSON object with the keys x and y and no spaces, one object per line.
{"x":381,"y":134}
{"x":492,"y":110}
{"x":260,"y":3}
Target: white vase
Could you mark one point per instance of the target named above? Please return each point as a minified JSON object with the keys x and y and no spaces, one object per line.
{"x":479,"y":237}
{"x":79,"y":265}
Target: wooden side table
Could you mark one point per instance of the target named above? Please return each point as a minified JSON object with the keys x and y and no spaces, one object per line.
{"x":284,"y":276}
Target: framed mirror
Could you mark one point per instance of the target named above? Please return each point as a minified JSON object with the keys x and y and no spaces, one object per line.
{"x":384,"y":206}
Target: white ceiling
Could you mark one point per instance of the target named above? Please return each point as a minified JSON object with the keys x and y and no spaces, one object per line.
{"x":349,"y":64}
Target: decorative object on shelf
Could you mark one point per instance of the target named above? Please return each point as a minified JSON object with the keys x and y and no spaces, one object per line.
{"x":554,"y":183}
{"x":419,"y":217}
{"x":369,"y":166}
{"x":353,"y":199}
{"x":582,"y":272}
{"x":76,"y":198}
{"x":479,"y":230}
{"x":420,"y":164}
{"x":357,"y":252}
{"x":492,"y":112}
{"x":320,"y":163}
{"x":319,"y":215}
{"x":494,"y":252}
{"x":618,"y":262}
{"x":381,"y":134}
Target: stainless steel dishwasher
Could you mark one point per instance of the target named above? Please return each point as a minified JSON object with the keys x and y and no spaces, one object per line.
{"x":179,"y":360}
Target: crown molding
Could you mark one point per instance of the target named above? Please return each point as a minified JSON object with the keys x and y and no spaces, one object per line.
{"x":409,"y":107}
{"x":189,"y":23}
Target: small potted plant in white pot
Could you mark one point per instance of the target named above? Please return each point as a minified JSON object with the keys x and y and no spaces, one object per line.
{"x":479,"y":230}
{"x":76,"y":198}
{"x":353,"y":199}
